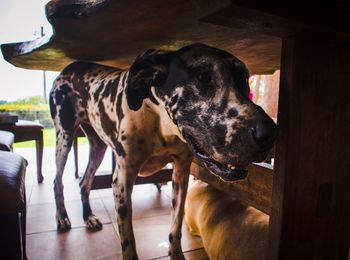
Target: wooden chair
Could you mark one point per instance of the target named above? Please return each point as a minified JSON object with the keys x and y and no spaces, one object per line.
{"x":25,"y":130}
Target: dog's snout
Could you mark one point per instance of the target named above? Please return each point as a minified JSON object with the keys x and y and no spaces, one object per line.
{"x":264,"y":133}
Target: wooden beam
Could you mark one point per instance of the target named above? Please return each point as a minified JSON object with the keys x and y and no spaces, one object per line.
{"x":285,"y":18}
{"x":104,"y":179}
{"x":311,"y":203}
{"x":255,"y":190}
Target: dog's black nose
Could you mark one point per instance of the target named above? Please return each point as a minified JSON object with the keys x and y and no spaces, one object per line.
{"x":264,"y":133}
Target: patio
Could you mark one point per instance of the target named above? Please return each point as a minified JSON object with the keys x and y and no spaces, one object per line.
{"x":151,"y":214}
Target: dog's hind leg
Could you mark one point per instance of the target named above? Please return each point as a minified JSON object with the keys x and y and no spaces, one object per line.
{"x":96,"y":154}
{"x":180,"y":179}
{"x":64,"y":140}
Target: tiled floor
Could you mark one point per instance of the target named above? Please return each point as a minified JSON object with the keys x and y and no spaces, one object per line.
{"x":151,"y":217}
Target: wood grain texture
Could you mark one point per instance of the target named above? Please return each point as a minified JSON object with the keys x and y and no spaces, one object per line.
{"x":116,"y":32}
{"x":255,"y":190}
{"x":311,"y":203}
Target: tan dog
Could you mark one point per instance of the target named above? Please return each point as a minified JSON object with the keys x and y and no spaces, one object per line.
{"x":229,"y":229}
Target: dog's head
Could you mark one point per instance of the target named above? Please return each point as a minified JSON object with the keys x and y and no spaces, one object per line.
{"x":206,"y":93}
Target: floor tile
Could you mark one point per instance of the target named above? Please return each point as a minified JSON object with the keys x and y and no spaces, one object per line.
{"x":198,"y":254}
{"x":74,"y":245}
{"x":152,"y":237}
{"x":151,"y":217}
{"x":44,"y":193}
{"x":42,"y":217}
{"x":147,"y":202}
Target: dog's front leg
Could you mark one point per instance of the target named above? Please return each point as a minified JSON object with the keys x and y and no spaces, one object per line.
{"x":123,"y":181}
{"x":180,"y":182}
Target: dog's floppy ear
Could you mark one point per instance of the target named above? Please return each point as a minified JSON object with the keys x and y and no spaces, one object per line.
{"x":241,"y":77}
{"x":149,"y":69}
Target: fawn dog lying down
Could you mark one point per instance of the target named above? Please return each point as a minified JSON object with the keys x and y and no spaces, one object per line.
{"x":229,"y":229}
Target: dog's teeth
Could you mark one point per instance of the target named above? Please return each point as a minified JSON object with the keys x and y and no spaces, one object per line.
{"x":230,"y":166}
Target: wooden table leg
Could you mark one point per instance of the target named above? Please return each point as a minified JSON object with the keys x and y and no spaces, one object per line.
{"x":39,"y":157}
{"x":310,"y":216}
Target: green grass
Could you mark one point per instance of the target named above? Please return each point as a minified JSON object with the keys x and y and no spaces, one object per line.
{"x":49,"y":140}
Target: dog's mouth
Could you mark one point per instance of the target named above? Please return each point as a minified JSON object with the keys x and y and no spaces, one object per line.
{"x":227,"y":172}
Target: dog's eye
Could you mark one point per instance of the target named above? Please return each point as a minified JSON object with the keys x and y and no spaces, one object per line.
{"x":204,"y":77}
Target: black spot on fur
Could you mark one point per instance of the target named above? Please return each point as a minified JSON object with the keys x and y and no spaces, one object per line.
{"x":110,"y":90}
{"x":114,"y":89}
{"x":53,"y":110}
{"x":223,"y":104}
{"x":108,"y":125}
{"x":120,"y":150}
{"x":173,"y":100}
{"x":123,"y":137}
{"x":86,"y":211}
{"x":220,"y":131}
{"x":81,"y":113}
{"x":67,"y":114}
{"x":122,"y":190}
{"x":123,"y":211}
{"x":121,"y":201}
{"x":83,"y":191}
{"x":125,"y":244}
{"x":232,"y":113}
{"x":171,"y":238}
{"x":98,"y":91}
{"x":120,"y":112}
{"x":141,"y":141}
{"x":61,"y":92}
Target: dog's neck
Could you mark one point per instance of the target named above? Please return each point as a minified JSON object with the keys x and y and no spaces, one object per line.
{"x":167,"y":126}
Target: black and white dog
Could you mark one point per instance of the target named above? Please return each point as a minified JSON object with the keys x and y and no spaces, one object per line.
{"x":168,"y":107}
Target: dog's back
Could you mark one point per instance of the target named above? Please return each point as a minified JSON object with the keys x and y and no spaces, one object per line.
{"x":229,"y":229}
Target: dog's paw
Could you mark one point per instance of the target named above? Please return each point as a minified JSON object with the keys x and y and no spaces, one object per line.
{"x":63,"y":224}
{"x":176,"y":255}
{"x":93,"y":223}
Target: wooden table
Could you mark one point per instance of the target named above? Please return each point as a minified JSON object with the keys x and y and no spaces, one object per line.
{"x":308,"y":41}
{"x":25,"y":130}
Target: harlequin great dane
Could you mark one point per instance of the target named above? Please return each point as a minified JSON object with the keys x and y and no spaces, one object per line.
{"x":168,"y":107}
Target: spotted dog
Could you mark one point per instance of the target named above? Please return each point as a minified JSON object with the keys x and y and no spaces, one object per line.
{"x":168,"y":107}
